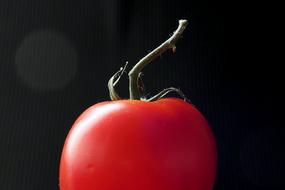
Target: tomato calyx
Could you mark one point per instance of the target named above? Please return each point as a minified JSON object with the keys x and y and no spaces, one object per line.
{"x":136,"y":86}
{"x":113,"y":81}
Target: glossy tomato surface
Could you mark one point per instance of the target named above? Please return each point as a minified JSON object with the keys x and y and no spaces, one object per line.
{"x":137,"y":145}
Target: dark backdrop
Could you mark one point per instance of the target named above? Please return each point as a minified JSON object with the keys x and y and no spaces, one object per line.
{"x":57,"y":56}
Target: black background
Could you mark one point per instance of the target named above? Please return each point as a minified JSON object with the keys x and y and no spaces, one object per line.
{"x":57,"y":56}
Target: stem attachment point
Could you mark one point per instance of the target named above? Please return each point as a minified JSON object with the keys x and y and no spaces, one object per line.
{"x":166,"y":91}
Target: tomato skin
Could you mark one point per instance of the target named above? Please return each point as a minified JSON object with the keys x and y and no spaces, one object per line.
{"x":136,"y":145}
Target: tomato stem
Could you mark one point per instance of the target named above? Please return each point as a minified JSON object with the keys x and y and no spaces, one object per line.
{"x":134,"y":88}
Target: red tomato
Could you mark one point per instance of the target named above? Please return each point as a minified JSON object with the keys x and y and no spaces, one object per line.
{"x":136,"y":145}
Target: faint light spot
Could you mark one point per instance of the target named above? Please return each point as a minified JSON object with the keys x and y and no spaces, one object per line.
{"x":262,"y":157}
{"x":46,"y":60}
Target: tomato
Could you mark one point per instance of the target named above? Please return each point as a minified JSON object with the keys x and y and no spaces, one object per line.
{"x":140,"y":144}
{"x":136,"y":145}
